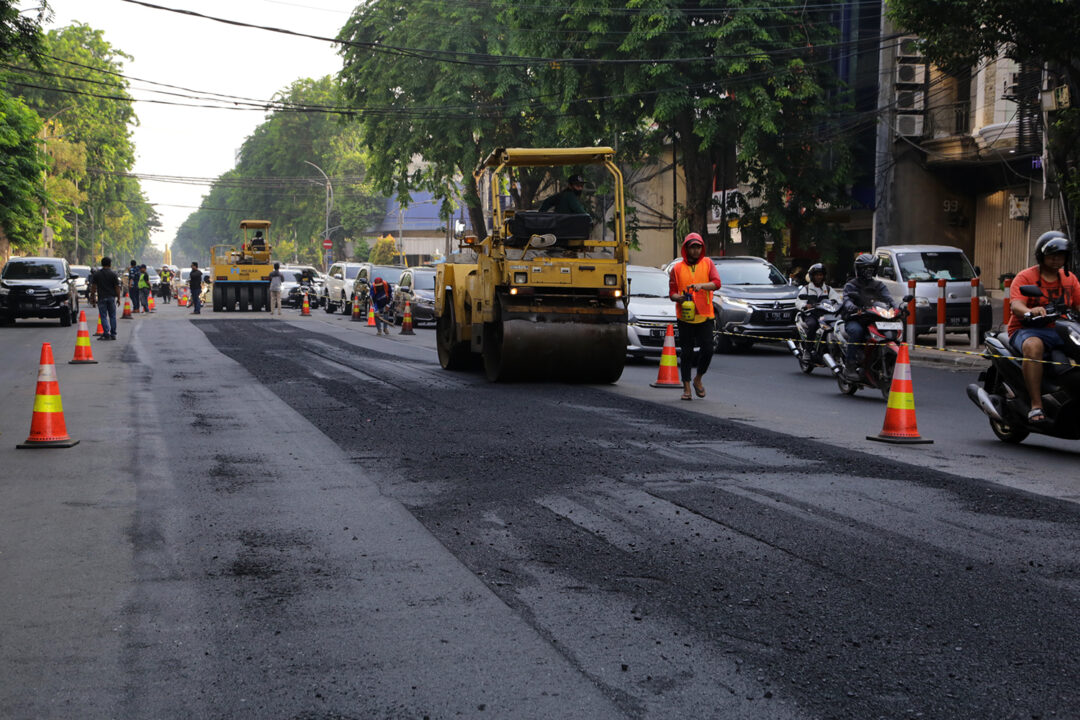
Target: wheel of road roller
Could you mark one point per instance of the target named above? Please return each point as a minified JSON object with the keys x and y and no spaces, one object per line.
{"x":453,"y":355}
{"x":216,"y":295}
{"x":234,"y":298}
{"x":264,"y":298}
{"x":247,"y":300}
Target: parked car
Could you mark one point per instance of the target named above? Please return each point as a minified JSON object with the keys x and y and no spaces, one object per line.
{"x":926,"y":264}
{"x":417,"y":287}
{"x":368,"y":272}
{"x":649,"y":311}
{"x":82,"y":278}
{"x":338,"y":289}
{"x":38,"y":287}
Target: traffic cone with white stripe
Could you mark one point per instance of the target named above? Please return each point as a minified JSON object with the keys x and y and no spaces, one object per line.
{"x":83,"y":354}
{"x":357,"y":316}
{"x":900,"y":425}
{"x":406,"y":321}
{"x":668,"y":375}
{"x":371,"y":315}
{"x":47,"y":426}
{"x":150,"y":303}
{"x":127,"y":308}
{"x":305,"y":309}
{"x":100,"y":330}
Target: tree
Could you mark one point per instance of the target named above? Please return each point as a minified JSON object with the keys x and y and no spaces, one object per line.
{"x":384,"y":251}
{"x":20,"y":32}
{"x":21,"y":168}
{"x":958,"y":34}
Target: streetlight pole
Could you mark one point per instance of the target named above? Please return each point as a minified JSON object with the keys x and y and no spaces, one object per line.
{"x":329,"y":205}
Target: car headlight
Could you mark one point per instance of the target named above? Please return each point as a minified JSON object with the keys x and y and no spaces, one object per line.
{"x":59,"y":291}
{"x":985,"y":300}
{"x":630,"y":318}
{"x":921,"y":301}
{"x":736,"y":303}
{"x":4,"y":290}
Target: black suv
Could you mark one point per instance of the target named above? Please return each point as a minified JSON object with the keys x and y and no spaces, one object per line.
{"x":38,"y":287}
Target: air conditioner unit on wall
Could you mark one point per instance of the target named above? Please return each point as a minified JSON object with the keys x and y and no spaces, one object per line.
{"x":907,"y":48}
{"x":909,"y":125}
{"x":910,"y":100}
{"x":1019,"y":207}
{"x":911,"y":74}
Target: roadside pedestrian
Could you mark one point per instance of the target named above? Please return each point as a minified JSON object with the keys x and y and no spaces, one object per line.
{"x":166,"y":284}
{"x":380,"y":301}
{"x":105,"y":289}
{"x":694,"y":279}
{"x":144,"y":289}
{"x":132,"y":285}
{"x":276,"y":278}
{"x":195,"y":283}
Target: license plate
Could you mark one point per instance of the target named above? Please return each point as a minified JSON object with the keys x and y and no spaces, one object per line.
{"x":958,"y":321}
{"x":776,"y":315}
{"x":656,"y":332}
{"x":890,"y":326}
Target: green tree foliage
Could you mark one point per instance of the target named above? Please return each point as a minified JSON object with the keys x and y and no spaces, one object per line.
{"x":20,"y":31}
{"x":273,"y":180}
{"x":21,"y":168}
{"x":75,"y":83}
{"x":384,"y":251}
{"x":958,"y":34}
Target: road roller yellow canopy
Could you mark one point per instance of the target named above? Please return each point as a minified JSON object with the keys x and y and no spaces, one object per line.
{"x":546,"y":157}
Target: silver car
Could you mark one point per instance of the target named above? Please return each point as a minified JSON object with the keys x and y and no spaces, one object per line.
{"x":649,"y":311}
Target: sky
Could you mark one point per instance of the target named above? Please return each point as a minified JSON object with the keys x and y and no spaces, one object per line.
{"x":212,"y":57}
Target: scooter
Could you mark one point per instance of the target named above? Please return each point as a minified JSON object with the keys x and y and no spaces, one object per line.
{"x":1003,"y":396}
{"x":884,"y":330}
{"x":810,"y":351}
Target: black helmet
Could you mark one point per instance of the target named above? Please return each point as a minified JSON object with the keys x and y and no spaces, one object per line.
{"x":1050,"y":243}
{"x":866,"y":266}
{"x":815,"y":268}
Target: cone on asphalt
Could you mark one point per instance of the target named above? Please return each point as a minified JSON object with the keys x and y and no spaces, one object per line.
{"x":83,"y":354}
{"x":668,"y":375}
{"x":900,"y":425}
{"x":100,"y":330}
{"x":356,"y":315}
{"x":47,"y":426}
{"x":371,"y":315}
{"x":305,"y":309}
{"x":127,"y":308}
{"x":406,"y":322}
{"x":150,"y":305}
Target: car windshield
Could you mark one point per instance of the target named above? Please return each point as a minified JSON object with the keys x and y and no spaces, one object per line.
{"x":424,"y":281}
{"x":83,"y":272}
{"x":350,"y":272}
{"x":389,"y":274}
{"x":648,"y":284}
{"x":734,"y":272}
{"x":33,"y":271}
{"x":923,"y":266}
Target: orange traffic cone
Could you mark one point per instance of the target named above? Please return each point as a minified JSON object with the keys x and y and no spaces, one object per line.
{"x":900,"y":425}
{"x":356,"y":316}
{"x":83,"y":354}
{"x":406,"y":322}
{"x":100,"y":330}
{"x":306,"y":308}
{"x":371,"y":316}
{"x":47,"y":427}
{"x":182,"y":300}
{"x":668,"y":376}
{"x":127,"y":308}
{"x":150,"y":303}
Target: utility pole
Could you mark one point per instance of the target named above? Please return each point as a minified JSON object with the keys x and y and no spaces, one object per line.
{"x":329,"y":205}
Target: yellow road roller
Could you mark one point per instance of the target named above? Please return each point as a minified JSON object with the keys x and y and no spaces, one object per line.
{"x":241,"y":274}
{"x":543,"y":296}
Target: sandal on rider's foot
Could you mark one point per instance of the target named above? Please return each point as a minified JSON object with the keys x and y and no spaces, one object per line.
{"x":687,"y":396}
{"x":699,"y":388}
{"x":1036,"y":416}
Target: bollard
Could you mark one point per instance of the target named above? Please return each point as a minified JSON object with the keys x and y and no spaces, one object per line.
{"x":941,"y":314}
{"x":974,"y":317}
{"x":1006,"y":312}
{"x":911,"y":314}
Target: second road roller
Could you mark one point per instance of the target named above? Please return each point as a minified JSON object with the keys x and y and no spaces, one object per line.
{"x":543,"y":296}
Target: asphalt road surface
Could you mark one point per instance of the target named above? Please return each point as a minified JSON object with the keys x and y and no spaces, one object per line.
{"x":304,"y":521}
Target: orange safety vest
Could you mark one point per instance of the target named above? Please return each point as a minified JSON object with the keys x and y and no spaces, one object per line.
{"x":685,"y":276}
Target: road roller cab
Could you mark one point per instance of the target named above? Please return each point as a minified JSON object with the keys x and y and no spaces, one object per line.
{"x":241,"y":273}
{"x":544,"y":295}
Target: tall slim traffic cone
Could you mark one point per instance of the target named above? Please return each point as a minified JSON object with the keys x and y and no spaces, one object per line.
{"x":356,"y":314}
{"x":100,"y":330}
{"x":305,"y":309}
{"x":406,"y":322}
{"x":371,"y":315}
{"x":83,"y":354}
{"x":668,"y":376}
{"x":127,"y":308}
{"x":47,"y":426}
{"x":900,"y":425}
{"x":150,"y":303}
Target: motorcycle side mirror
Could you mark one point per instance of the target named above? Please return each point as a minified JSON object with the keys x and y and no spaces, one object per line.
{"x":908,"y":298}
{"x":1032,"y":291}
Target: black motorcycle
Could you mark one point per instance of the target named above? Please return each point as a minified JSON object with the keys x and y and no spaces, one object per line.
{"x":1003,"y":395}
{"x":810,"y":351}
{"x":884,"y":331}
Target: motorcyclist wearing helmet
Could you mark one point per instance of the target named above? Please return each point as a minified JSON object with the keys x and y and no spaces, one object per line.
{"x":813,"y":292}
{"x":1052,"y":251}
{"x":859,"y":293}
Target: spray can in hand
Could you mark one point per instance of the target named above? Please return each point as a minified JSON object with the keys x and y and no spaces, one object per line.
{"x":687,"y":308}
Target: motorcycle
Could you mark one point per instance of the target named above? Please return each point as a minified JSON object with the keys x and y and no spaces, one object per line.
{"x":1003,"y":395}
{"x":810,"y":351}
{"x":884,"y":330}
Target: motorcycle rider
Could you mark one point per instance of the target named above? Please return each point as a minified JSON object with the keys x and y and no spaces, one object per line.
{"x":1050,"y":273}
{"x":813,"y":292}
{"x":859,"y":293}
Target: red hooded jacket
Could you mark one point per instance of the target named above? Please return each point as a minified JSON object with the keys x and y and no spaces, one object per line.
{"x":683,"y":274}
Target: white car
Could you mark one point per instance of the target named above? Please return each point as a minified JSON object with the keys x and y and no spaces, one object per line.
{"x":82,"y":276}
{"x":650,"y":311}
{"x":338,"y":288}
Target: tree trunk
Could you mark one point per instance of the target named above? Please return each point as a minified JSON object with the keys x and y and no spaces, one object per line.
{"x":475,"y":207}
{"x":697,"y":169}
